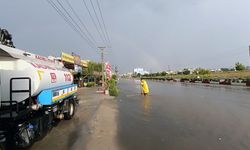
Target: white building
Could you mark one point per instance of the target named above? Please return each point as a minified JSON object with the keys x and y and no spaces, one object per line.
{"x":140,"y":71}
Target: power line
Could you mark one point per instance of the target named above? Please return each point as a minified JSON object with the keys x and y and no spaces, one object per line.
{"x":66,"y":19}
{"x":98,"y":20}
{"x":105,"y":29}
{"x":70,"y":21}
{"x":52,"y":4}
{"x":87,"y":39}
{"x":80,"y":20}
{"x":86,"y":6}
{"x":73,"y":21}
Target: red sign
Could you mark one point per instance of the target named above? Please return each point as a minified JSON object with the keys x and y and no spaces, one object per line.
{"x":67,"y":77}
{"x":108,"y":71}
{"x":53,"y":77}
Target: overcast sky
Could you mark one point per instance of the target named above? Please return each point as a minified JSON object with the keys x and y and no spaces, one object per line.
{"x":153,"y":34}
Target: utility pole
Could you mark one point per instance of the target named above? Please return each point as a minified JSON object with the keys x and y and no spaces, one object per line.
{"x":249,"y":53}
{"x":116,"y":70}
{"x":169,"y":68}
{"x":102,"y":61}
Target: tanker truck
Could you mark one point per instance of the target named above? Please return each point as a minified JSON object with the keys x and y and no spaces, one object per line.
{"x":35,"y":92}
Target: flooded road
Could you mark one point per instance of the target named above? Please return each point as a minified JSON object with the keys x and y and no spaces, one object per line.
{"x":72,"y":134}
{"x":179,"y":116}
{"x":174,"y":116}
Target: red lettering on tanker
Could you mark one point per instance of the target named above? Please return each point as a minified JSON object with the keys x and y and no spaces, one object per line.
{"x":40,"y":57}
{"x":67,"y":77}
{"x":40,"y":66}
{"x":53,"y":77}
{"x":43,"y":58}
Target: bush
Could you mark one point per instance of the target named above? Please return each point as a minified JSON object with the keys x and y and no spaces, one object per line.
{"x":90,"y":84}
{"x":163,"y":73}
{"x":201,"y":71}
{"x":186,"y":71}
{"x":239,"y":66}
{"x":113,"y":90}
{"x":114,"y":77}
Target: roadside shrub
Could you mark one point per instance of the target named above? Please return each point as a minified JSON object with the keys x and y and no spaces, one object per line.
{"x":113,"y":90}
{"x":201,"y":71}
{"x":114,"y":77}
{"x":239,"y":66}
{"x":90,"y":84}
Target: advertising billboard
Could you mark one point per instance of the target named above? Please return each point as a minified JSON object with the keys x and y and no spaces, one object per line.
{"x":67,"y":58}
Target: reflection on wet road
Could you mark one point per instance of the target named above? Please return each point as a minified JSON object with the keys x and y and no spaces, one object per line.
{"x":183,"y":117}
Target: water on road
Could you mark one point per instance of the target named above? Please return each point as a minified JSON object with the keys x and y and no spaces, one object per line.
{"x":183,"y":117}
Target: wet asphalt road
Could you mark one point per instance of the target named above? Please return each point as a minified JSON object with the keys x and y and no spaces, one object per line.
{"x":179,"y":116}
{"x":174,"y":116}
{"x":72,"y":134}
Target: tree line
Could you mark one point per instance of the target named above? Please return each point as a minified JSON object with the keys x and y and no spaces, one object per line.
{"x":198,"y":71}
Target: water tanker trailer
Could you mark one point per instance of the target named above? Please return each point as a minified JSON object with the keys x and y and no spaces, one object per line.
{"x":34,"y":92}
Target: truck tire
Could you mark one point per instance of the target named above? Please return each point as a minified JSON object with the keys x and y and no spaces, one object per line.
{"x":22,"y":138}
{"x":2,"y":147}
{"x":71,"y":110}
{"x":2,"y":141}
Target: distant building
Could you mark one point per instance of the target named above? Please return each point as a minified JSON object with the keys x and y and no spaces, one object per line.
{"x":127,"y":75}
{"x":186,"y":71}
{"x":215,"y":70}
{"x":140,"y":71}
{"x":171,"y":72}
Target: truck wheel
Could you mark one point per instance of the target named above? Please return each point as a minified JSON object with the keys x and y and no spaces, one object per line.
{"x":71,"y":110}
{"x":24,"y":137}
{"x":2,"y":147}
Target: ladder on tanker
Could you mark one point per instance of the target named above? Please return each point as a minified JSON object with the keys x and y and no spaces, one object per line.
{"x":12,"y":109}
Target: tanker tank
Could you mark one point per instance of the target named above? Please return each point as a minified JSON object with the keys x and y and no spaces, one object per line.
{"x":43,"y":72}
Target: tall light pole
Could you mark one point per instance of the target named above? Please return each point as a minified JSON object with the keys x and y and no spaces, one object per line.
{"x":102,"y":61}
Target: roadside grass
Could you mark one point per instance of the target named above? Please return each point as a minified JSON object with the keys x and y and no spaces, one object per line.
{"x":213,"y":75}
{"x":232,"y":74}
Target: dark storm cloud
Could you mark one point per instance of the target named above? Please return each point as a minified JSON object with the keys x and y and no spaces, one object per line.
{"x":153,"y":34}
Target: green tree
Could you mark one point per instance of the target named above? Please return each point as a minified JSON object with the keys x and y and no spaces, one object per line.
{"x":179,"y":72}
{"x":239,"y":66}
{"x":153,"y":74}
{"x":163,"y":73}
{"x":114,"y":77}
{"x":201,"y":71}
{"x":158,"y":74}
{"x":186,"y":71}
{"x":146,"y":75}
{"x":91,"y":69}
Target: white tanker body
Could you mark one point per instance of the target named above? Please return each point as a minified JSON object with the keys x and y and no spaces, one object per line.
{"x":44,"y":73}
{"x":34,"y":83}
